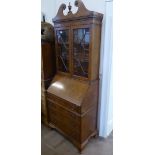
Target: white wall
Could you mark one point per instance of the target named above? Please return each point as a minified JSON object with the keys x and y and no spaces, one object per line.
{"x":50,"y":8}
{"x":106,"y":106}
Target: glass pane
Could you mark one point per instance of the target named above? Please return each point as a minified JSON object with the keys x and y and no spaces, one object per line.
{"x":63,"y":50}
{"x":81,"y":51}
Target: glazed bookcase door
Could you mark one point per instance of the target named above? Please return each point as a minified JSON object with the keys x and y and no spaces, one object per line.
{"x":81,"y":43}
{"x":63,"y":50}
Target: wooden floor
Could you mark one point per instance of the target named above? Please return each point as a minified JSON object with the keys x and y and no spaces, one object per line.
{"x":53,"y":143}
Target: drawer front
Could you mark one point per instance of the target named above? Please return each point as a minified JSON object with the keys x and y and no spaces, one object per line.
{"x":66,"y":121}
{"x":63,"y":114}
{"x":66,"y":116}
{"x":64,"y":103}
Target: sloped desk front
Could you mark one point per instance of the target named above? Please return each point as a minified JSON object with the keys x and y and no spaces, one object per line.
{"x":72,"y":108}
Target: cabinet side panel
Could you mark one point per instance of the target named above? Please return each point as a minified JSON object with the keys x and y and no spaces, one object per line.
{"x":91,"y":97}
{"x":95,"y":56}
{"x":89,"y":111}
{"x":88,"y":124}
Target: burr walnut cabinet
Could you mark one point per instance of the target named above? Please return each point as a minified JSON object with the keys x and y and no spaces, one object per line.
{"x":72,"y":98}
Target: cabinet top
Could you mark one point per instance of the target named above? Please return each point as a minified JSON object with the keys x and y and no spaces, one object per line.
{"x":82,"y":13}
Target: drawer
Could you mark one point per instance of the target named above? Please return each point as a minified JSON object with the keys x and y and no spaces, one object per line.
{"x":68,"y":128}
{"x":63,"y":118}
{"x":63,"y":114}
{"x":63,"y":103}
{"x":64,"y":125}
{"x":73,"y":132}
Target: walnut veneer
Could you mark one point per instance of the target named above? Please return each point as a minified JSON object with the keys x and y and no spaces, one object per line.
{"x":72,"y":97}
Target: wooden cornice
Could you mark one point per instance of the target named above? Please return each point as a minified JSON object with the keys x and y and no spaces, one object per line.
{"x":81,"y":13}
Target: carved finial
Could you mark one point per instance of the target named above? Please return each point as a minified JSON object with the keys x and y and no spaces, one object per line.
{"x":69,"y":8}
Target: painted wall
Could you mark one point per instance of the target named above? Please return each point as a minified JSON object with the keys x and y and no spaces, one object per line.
{"x":106,"y":98}
{"x":50,"y":8}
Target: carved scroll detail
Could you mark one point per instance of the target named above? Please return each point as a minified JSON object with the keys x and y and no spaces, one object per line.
{"x":81,"y":12}
{"x":61,"y":9}
{"x":81,"y":6}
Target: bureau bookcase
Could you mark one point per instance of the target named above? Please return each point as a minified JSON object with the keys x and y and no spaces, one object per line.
{"x":72,"y":97}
